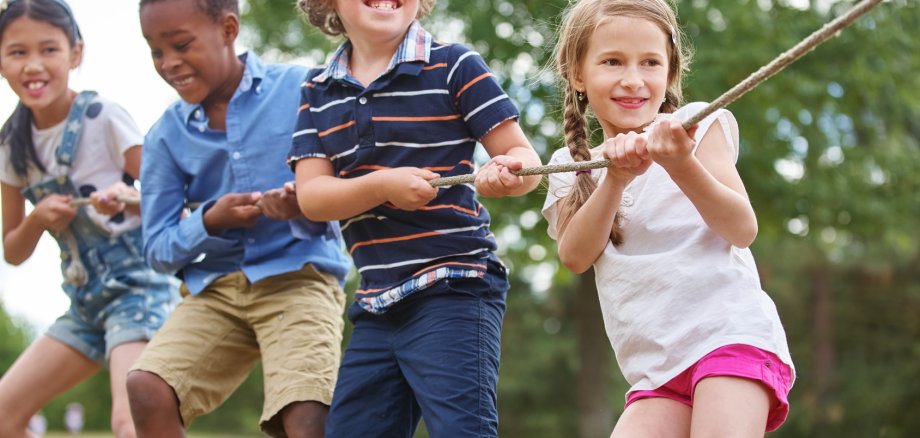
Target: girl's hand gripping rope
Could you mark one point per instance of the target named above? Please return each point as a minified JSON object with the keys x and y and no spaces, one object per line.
{"x":55,"y":212}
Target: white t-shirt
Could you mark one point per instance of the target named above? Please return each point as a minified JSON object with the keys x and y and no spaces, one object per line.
{"x":108,"y":131}
{"x":674,"y":290}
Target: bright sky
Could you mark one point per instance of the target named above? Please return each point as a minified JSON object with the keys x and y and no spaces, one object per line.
{"x":117,"y":64}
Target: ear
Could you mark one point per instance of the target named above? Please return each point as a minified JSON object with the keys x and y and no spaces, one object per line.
{"x":578,"y":82}
{"x":76,"y":55}
{"x":230,"y":27}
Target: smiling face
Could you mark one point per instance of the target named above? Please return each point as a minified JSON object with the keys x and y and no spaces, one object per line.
{"x":624,"y":73}
{"x":36,"y":58}
{"x":376,"y":21}
{"x":192,"y":52}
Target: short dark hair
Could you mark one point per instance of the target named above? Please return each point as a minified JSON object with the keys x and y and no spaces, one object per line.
{"x":214,"y":9}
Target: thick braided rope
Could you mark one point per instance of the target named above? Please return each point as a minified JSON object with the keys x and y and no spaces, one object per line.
{"x":752,"y":81}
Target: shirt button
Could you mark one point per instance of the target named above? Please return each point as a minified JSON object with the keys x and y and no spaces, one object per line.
{"x":198,"y":114}
{"x":362,"y":100}
{"x":202,"y":128}
{"x":236,"y":155}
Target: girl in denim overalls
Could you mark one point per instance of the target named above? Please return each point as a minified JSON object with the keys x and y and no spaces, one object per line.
{"x":62,"y":151}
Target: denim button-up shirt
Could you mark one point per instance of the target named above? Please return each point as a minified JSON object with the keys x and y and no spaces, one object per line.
{"x":186,"y":162}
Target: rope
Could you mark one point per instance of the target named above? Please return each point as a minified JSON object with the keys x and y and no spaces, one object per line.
{"x":130,"y":200}
{"x":788,"y":57}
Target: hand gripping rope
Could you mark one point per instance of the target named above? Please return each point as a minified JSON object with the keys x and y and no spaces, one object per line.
{"x":788,"y":57}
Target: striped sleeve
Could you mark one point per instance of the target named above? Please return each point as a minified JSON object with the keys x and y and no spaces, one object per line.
{"x":305,"y":141}
{"x":476,"y":92}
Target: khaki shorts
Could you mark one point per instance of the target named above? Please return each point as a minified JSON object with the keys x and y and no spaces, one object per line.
{"x":211,"y":342}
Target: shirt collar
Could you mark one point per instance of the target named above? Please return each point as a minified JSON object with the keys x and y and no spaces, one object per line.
{"x":253,"y":73}
{"x":416,"y":46}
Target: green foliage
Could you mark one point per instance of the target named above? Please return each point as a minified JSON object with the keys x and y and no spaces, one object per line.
{"x":14,"y":338}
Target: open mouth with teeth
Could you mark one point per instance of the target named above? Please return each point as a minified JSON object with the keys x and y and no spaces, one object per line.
{"x":181,"y":82}
{"x":383,"y":5}
{"x":35,"y":85}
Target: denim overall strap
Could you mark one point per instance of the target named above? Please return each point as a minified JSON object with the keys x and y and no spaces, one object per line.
{"x":68,"y":147}
{"x":72,"y":266}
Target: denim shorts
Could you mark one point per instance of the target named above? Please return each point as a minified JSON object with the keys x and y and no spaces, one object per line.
{"x":123,"y":301}
{"x":736,"y":360}
{"x":433,"y":356}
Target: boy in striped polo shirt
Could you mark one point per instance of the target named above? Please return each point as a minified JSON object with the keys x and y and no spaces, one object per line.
{"x":392,"y":110}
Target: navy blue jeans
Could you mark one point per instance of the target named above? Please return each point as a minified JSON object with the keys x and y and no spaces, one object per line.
{"x":434,"y":356}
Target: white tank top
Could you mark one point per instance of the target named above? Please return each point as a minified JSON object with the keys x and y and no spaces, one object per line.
{"x":674,"y":290}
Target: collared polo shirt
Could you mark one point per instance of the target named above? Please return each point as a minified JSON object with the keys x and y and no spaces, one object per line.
{"x":185,"y":161}
{"x":427,"y":110}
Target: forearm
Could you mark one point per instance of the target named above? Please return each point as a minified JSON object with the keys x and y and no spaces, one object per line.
{"x":583,"y":240}
{"x":724,"y":210}
{"x":327,"y":198}
{"x":20,"y":242}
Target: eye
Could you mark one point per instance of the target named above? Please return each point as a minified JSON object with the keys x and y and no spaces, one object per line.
{"x":156,"y":53}
{"x":183,"y":46}
{"x":611,"y":62}
{"x":652,"y":62}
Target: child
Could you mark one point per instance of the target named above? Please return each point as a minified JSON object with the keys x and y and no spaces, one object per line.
{"x":391,"y":109}
{"x":263,"y":282}
{"x":666,"y":227}
{"x":57,"y":149}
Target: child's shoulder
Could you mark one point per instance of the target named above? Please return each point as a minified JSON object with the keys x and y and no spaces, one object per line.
{"x":450,"y":52}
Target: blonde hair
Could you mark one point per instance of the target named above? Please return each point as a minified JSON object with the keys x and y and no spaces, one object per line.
{"x":578,"y":25}
{"x":321,"y":13}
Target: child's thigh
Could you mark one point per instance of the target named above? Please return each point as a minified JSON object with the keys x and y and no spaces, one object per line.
{"x":657,"y":417}
{"x":735,"y":406}
{"x":47,"y":368}
{"x":449,"y":352}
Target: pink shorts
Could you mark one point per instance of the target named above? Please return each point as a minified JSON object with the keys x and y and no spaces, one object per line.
{"x":735,"y":360}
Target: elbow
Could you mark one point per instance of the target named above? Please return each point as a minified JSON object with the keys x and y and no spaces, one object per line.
{"x":745,"y":237}
{"x":315,"y":214}
{"x":11,"y":260}
{"x":574,"y":264}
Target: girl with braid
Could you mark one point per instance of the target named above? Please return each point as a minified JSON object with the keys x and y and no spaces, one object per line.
{"x":667,"y":228}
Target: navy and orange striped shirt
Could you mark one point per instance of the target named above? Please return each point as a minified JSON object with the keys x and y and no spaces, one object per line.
{"x":427,"y":110}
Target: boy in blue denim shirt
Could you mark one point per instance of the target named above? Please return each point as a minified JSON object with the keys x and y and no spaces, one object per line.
{"x":262,"y":281}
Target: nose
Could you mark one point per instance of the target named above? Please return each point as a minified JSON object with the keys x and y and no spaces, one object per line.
{"x":32,"y":66}
{"x":169,"y":62}
{"x":631,"y":78}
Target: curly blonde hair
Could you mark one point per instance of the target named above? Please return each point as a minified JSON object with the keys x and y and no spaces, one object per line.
{"x":321,"y":13}
{"x":579,"y":22}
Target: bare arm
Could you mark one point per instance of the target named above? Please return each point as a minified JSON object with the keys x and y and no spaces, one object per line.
{"x":583,"y":240}
{"x":586,"y":235}
{"x":20,"y":232}
{"x":710,"y":180}
{"x":323,"y":197}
